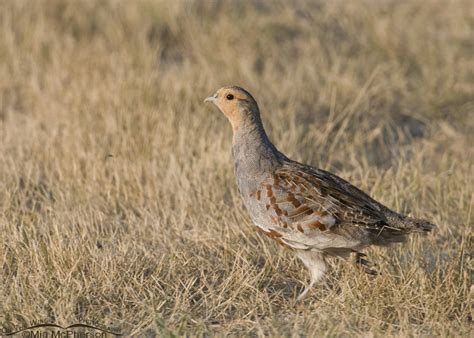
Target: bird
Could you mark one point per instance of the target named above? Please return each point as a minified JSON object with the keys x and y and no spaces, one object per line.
{"x":311,"y":211}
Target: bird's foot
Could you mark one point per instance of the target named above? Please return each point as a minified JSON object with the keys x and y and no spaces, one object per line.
{"x":302,"y":295}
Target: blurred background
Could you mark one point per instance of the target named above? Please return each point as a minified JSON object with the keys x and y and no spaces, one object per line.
{"x":117,"y":196}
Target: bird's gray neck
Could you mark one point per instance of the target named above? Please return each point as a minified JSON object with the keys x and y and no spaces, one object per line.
{"x":254,"y":154}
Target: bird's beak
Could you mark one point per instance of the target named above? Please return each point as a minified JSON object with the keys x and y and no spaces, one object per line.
{"x":211,"y":99}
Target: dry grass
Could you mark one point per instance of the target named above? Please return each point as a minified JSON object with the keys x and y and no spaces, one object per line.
{"x":117,"y":196}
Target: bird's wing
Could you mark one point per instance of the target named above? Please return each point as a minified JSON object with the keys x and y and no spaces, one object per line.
{"x":314,"y":208}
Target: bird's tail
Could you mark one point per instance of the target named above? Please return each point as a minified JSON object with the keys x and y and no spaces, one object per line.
{"x":419,"y":225}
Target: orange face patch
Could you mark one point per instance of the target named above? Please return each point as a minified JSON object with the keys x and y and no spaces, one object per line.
{"x":230,"y":101}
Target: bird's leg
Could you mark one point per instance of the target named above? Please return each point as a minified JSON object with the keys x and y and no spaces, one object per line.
{"x":303,"y":294}
{"x":316,"y":265}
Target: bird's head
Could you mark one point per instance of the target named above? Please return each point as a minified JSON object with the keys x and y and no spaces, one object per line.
{"x":236,"y":104}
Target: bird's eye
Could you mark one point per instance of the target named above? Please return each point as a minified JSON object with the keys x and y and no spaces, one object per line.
{"x":230,"y":97}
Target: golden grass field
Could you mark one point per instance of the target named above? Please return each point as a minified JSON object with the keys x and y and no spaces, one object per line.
{"x":118,"y":204}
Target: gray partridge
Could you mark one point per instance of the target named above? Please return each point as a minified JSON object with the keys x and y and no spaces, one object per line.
{"x":311,"y":211}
